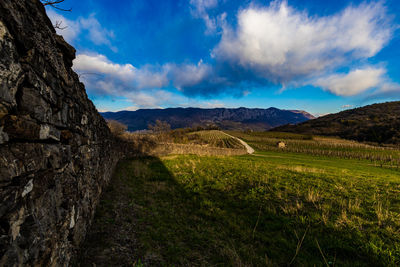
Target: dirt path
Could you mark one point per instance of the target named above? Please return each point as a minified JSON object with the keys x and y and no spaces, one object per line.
{"x":249,"y":149}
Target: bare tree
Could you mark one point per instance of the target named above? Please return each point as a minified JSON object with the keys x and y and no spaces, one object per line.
{"x":58,"y":25}
{"x":159,"y":127}
{"x":116,"y":128}
{"x":55,"y":4}
{"x":162,"y":129}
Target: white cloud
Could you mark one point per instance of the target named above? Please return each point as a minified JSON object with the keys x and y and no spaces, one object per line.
{"x":151,"y":99}
{"x":281,"y":44}
{"x":101,"y":64}
{"x":142,"y":86}
{"x":160,"y":98}
{"x":116,"y":109}
{"x":387,"y":90}
{"x":187,"y":75}
{"x":347,"y":106}
{"x":210,"y":104}
{"x":151,"y":77}
{"x":106,"y":87}
{"x":131,"y":108}
{"x":390,"y":87}
{"x":200,"y":10}
{"x":101,"y":74}
{"x":96,"y":33}
{"x":352,"y":83}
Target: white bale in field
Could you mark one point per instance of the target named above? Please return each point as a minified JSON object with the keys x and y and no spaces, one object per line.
{"x":281,"y":144}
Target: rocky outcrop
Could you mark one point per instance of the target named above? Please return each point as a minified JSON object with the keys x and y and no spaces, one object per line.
{"x":56,"y":152}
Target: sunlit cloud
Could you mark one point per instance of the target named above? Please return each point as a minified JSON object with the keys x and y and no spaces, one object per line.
{"x":200,"y":9}
{"x":104,"y":76}
{"x":352,"y":83}
{"x":281,"y":44}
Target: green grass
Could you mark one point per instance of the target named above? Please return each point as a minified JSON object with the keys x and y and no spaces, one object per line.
{"x":271,"y":209}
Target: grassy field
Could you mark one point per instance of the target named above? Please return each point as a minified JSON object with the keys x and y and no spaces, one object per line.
{"x":273,"y":208}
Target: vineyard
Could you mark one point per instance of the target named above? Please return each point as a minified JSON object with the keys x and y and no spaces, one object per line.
{"x":216,"y":138}
{"x":322,"y":146}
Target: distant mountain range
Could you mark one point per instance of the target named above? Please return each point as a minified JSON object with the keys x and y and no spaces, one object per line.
{"x":225,"y":118}
{"x":378,"y":123}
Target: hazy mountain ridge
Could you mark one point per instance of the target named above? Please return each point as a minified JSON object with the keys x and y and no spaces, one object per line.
{"x":226,"y":118}
{"x":373,"y":123}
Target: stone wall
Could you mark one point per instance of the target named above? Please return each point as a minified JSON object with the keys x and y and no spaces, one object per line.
{"x":56,"y":152}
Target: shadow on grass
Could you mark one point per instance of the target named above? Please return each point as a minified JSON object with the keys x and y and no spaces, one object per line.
{"x":148,"y":217}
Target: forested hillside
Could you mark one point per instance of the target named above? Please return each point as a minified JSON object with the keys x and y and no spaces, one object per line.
{"x":378,"y":123}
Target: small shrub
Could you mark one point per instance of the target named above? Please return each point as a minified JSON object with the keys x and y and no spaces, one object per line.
{"x":116,"y":128}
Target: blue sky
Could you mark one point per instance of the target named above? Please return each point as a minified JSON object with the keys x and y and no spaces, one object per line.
{"x":318,"y":56}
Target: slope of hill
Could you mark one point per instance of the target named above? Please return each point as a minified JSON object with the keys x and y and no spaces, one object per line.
{"x":374,"y":123}
{"x":239,"y":118}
